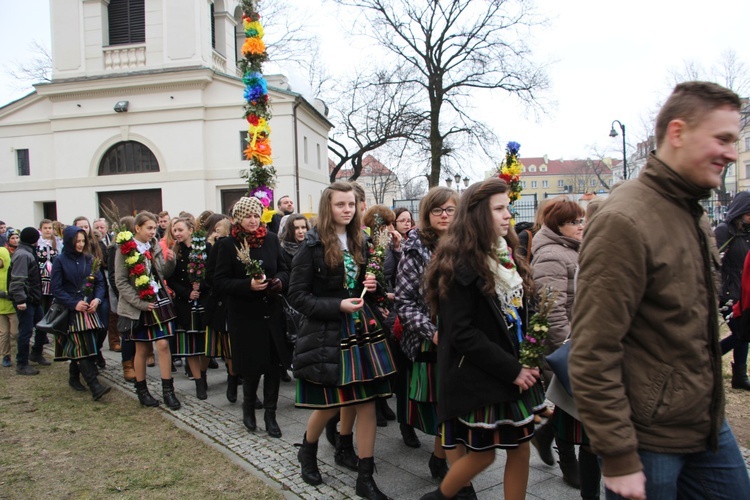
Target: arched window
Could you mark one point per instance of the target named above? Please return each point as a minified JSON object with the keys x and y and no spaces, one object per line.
{"x":127,"y":21}
{"x":128,"y":157}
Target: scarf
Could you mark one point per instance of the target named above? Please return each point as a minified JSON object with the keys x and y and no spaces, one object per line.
{"x":508,"y":283}
{"x":254,"y":239}
{"x":291,"y":247}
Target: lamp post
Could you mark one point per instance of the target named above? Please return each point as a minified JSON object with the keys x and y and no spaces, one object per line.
{"x":613,"y":133}
{"x":458,"y":179}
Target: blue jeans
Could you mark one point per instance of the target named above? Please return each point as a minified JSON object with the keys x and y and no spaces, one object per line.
{"x":705,"y":474}
{"x":26,"y":321}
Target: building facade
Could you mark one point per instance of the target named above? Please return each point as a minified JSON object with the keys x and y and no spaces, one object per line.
{"x":144,"y":110}
{"x":544,"y":178}
{"x":380,"y":183}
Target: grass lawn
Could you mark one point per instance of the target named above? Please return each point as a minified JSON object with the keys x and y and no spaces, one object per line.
{"x":58,"y":443}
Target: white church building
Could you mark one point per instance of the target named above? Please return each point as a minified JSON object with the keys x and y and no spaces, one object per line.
{"x":144,"y":109}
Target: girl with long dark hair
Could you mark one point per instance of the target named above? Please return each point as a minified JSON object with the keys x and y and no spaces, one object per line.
{"x":487,"y":398}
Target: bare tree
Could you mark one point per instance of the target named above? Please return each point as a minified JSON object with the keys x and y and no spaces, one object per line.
{"x":35,"y":69}
{"x":451,"y":48}
{"x":369,"y":114}
{"x":589,"y":174}
{"x":286,"y":35}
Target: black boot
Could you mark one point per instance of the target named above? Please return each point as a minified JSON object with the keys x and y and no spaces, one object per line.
{"x":568,"y":463}
{"x":248,"y":416}
{"x":88,"y":369}
{"x":331,"y":432}
{"x":410,"y":437}
{"x":258,"y":404}
{"x":467,"y":493}
{"x":344,"y":454}
{"x":200,"y":389}
{"x":366,"y":486}
{"x":739,"y":377}
{"x":434,"y":495}
{"x":438,"y":467}
{"x":379,"y":415}
{"x":308,"y":459}
{"x":542,"y":441}
{"x":591,"y":475}
{"x":74,"y":379}
{"x":249,"y":400}
{"x":272,"y":427}
{"x":167,"y":390}
{"x":145,"y":397}
{"x":232,"y":388}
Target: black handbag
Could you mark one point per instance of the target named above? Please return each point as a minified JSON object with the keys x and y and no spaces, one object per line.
{"x":292,"y":322}
{"x":127,"y":325}
{"x":558,"y":361}
{"x":55,"y":320}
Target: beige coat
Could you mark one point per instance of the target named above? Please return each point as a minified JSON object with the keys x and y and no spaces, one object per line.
{"x":555,"y":264}
{"x":129,"y":304}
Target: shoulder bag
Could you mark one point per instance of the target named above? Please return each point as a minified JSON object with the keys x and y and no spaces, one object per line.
{"x":55,"y":320}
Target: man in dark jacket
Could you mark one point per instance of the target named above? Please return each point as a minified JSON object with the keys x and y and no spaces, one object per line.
{"x":645,"y":361}
{"x":285,"y":206}
{"x":25,"y":291}
{"x":733,"y":240}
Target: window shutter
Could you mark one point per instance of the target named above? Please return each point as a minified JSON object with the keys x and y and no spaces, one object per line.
{"x":213,"y":27}
{"x":127,"y":21}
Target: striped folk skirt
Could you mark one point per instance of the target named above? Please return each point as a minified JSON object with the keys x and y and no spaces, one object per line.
{"x":191,"y":341}
{"x":157,"y":323}
{"x":218,"y":344}
{"x":365,"y":364}
{"x":568,"y":428}
{"x":80,"y":341}
{"x":502,"y":425}
{"x":421,"y":405}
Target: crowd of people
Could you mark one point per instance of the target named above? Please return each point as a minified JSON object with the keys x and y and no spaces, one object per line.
{"x":434,"y":312}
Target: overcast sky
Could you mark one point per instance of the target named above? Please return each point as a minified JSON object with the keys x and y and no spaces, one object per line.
{"x":607,"y":60}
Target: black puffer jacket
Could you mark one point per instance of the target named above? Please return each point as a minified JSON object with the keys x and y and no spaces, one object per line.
{"x":317,"y":291}
{"x":735,"y":241}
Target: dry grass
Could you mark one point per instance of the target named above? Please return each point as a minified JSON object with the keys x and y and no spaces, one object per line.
{"x":58,"y":443}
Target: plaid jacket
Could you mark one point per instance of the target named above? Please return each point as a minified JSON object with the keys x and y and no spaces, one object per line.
{"x":413,"y":312}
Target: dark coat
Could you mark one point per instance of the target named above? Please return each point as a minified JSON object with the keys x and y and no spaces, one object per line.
{"x":215,"y":304}
{"x":477,"y":355}
{"x":24,"y":278}
{"x":181,"y":285}
{"x":316,"y":291}
{"x":69,"y":271}
{"x":736,"y":243}
{"x":255,"y":319}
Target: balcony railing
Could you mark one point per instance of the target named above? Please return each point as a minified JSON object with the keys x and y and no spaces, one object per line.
{"x":125,"y":56}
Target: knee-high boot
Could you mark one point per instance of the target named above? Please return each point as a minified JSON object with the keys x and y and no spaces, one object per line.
{"x":88,"y":369}
{"x":248,"y":405}
{"x":74,"y":378}
{"x":591,"y":474}
{"x":568,"y":463}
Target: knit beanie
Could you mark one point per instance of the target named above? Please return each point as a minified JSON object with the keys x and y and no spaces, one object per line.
{"x":246,"y":206}
{"x":30,"y":235}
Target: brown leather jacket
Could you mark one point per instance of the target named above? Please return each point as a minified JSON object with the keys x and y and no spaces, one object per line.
{"x":645,"y":362}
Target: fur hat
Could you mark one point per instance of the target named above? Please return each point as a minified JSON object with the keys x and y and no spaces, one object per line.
{"x":30,"y":235}
{"x":246,"y":206}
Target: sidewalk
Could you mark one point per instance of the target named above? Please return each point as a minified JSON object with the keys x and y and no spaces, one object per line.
{"x":402,"y":472}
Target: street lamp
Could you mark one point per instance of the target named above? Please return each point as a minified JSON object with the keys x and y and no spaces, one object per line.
{"x":613,"y":133}
{"x":448,"y":181}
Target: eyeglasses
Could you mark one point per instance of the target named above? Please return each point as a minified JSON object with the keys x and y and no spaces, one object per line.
{"x":439,"y":211}
{"x":577,"y":222}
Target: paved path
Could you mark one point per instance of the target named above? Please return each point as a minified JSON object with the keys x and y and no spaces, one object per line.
{"x":402,"y":472}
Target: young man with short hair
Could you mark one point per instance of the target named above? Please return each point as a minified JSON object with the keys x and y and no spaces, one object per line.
{"x":645,"y":362}
{"x":25,"y":291}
